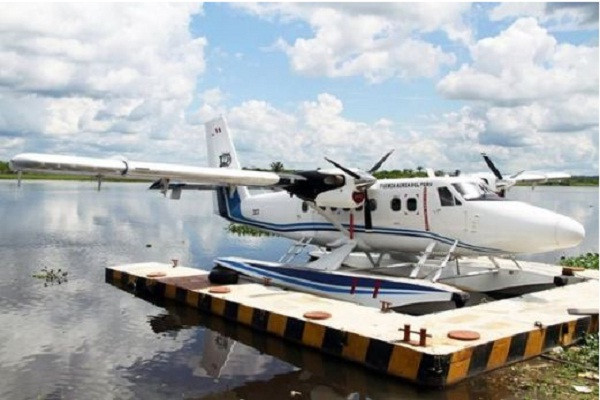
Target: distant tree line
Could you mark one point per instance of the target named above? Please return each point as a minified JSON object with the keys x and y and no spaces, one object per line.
{"x":572,"y":181}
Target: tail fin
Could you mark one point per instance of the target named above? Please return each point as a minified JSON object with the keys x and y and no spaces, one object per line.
{"x":222,"y":154}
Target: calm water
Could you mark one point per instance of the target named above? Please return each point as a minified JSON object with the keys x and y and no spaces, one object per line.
{"x":86,"y":339}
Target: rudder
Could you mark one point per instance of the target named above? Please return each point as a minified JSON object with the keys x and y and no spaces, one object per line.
{"x":221,"y":154}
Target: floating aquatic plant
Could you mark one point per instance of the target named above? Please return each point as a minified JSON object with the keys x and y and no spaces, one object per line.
{"x":244,"y":230}
{"x":51,"y":276}
{"x":587,"y":261}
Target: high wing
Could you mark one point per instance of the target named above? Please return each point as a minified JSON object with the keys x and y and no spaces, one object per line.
{"x":499,"y":183}
{"x":341,"y":187}
{"x":99,"y":167}
{"x":540,"y":177}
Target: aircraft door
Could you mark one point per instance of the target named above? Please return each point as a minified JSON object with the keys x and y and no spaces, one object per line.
{"x":447,"y":214}
{"x":411,"y":214}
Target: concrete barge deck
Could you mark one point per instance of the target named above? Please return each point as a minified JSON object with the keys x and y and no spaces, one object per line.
{"x":509,"y":330}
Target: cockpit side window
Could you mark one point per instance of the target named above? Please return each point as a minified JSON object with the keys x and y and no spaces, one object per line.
{"x":472,"y":191}
{"x":446,"y":197}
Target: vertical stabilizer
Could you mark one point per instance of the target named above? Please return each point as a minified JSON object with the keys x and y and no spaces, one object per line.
{"x":222,"y":154}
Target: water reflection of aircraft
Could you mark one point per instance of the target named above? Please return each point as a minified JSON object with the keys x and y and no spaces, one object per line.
{"x":221,"y":355}
{"x":249,"y":365}
{"x":348,"y":210}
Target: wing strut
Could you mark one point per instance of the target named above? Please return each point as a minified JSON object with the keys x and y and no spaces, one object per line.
{"x":334,"y":259}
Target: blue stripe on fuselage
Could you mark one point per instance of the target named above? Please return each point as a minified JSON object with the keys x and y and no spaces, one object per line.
{"x":234,"y":213}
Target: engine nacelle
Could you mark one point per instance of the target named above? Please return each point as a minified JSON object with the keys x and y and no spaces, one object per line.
{"x":346,"y":196}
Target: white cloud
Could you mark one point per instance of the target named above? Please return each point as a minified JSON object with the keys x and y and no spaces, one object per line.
{"x":317,"y":128}
{"x":522,"y":64}
{"x":96,"y":71}
{"x":532,"y":92}
{"x":556,"y":16}
{"x":377,"y":41}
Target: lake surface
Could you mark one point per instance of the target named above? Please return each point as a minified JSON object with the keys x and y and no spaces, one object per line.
{"x":85,"y":339}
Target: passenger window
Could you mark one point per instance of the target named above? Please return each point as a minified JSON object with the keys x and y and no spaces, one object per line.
{"x":395,"y":204}
{"x":333,"y":208}
{"x":411,"y":204}
{"x":372,"y":204}
{"x":304,"y":206}
{"x":446,"y":198}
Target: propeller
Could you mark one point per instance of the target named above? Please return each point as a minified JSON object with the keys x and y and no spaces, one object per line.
{"x":364,"y":180}
{"x":346,"y":170}
{"x":502,"y":185}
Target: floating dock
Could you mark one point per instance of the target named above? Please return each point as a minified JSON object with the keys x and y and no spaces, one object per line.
{"x":414,"y":348}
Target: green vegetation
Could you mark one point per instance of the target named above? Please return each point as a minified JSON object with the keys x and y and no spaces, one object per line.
{"x":575,"y":181}
{"x":397,"y":174}
{"x":4,"y":168}
{"x":587,"y":261}
{"x":244,"y":230}
{"x":51,"y":277}
{"x":277,"y":166}
{"x":566,"y":373}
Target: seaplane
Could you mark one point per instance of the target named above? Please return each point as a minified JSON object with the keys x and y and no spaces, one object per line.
{"x":388,"y":240}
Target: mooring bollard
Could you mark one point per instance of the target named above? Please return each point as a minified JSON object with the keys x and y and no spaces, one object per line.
{"x":406,"y":333}
{"x":422,"y":337}
{"x":385,"y":305}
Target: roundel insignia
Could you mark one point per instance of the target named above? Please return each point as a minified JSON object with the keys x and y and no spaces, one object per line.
{"x":358,"y":197}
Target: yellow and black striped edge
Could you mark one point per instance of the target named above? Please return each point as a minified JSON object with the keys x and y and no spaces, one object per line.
{"x":392,"y":358}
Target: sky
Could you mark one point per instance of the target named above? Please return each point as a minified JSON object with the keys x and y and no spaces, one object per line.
{"x":437,"y":82}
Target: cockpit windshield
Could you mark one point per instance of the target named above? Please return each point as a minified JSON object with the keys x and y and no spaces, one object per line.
{"x":475,"y":191}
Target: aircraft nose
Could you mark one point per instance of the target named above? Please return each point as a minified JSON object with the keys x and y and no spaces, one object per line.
{"x":568,"y":232}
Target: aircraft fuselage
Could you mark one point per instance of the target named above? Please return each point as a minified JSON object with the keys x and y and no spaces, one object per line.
{"x":407,"y":214}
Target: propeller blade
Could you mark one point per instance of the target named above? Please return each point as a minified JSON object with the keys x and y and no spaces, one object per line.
{"x":491,"y":165}
{"x":346,"y":170}
{"x":367,"y":207}
{"x":379,"y":163}
{"x":513,"y":176}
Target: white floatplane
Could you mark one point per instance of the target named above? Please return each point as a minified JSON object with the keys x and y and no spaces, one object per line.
{"x":347,"y":211}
